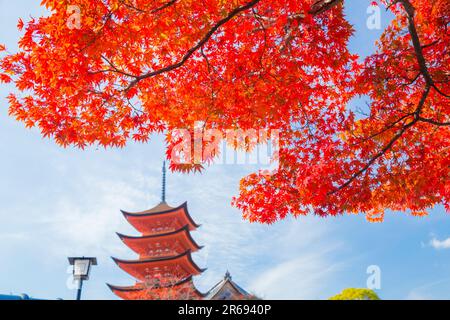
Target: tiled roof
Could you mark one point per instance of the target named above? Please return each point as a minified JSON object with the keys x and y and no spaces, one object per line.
{"x":22,"y":296}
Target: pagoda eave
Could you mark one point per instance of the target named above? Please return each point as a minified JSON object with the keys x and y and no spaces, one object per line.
{"x":133,"y":241}
{"x":157,"y":213}
{"x":138,"y":268}
{"x":140,"y":286}
{"x":186,"y":254}
{"x":138,"y":291}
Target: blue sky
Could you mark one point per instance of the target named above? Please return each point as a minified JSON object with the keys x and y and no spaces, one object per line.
{"x":62,"y":202}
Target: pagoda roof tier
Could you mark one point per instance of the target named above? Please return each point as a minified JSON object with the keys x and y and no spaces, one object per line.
{"x":165,"y":244}
{"x":182,"y":266}
{"x":162,"y":207}
{"x":139,"y":292}
{"x":161,"y":219}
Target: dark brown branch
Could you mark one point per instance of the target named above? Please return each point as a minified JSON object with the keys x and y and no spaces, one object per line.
{"x":440,"y":92}
{"x":164,"y":6}
{"x":410,"y":11}
{"x":323,"y":5}
{"x":436,"y":123}
{"x":156,"y":10}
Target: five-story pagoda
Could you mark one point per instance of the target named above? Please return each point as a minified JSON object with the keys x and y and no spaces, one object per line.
{"x":165,"y":268}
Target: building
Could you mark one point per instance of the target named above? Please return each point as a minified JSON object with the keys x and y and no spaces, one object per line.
{"x":165,"y":268}
{"x":23,"y":296}
{"x":227,"y":289}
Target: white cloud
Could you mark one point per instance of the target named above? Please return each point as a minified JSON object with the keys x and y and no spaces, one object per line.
{"x":440,"y":244}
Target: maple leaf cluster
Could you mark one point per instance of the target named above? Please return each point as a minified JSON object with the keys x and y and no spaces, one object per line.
{"x":167,"y":287}
{"x":134,"y":68}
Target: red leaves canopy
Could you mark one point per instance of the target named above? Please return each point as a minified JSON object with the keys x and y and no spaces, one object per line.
{"x":138,"y":67}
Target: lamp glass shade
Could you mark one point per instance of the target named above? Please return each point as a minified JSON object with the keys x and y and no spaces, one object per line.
{"x":81,"y":268}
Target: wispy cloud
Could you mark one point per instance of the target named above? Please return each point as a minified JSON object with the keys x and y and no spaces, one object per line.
{"x":303,"y":277}
{"x":440,"y":244}
{"x":290,"y":259}
{"x":429,"y":291}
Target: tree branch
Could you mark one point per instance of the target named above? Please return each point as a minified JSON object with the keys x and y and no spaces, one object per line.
{"x":389,"y":145}
{"x":323,"y":5}
{"x":436,"y":123}
{"x":317,"y":8}
{"x":410,"y":11}
{"x":191,"y":51}
{"x":418,"y":48}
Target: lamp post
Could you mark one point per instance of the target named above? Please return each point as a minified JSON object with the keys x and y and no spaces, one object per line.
{"x":81,"y":269}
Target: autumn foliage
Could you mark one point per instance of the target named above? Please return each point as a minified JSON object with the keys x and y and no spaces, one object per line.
{"x":167,"y":287}
{"x":138,"y":67}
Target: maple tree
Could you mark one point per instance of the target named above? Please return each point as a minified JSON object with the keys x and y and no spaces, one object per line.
{"x":137,"y":67}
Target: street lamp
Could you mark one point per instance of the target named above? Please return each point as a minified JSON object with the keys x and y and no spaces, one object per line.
{"x":81,"y":269}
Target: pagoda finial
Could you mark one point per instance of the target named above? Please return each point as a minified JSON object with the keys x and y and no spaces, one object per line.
{"x":163,"y":190}
{"x":227,"y":275}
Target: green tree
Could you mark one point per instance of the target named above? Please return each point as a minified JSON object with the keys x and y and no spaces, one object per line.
{"x":356,"y":294}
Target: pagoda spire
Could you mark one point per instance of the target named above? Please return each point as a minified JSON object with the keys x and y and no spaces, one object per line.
{"x":163,"y":189}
